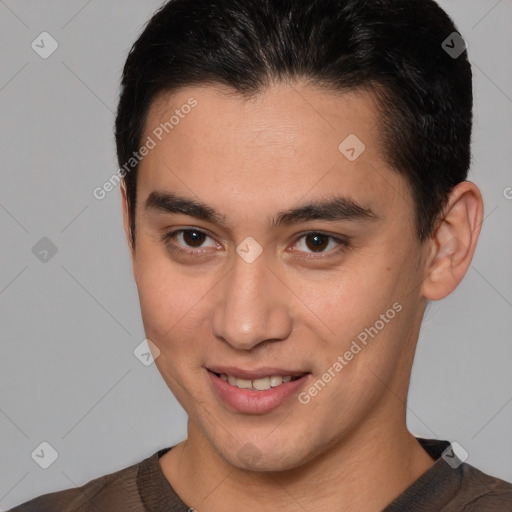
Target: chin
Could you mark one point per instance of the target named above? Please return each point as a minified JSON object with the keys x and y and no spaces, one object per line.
{"x":263,"y":456}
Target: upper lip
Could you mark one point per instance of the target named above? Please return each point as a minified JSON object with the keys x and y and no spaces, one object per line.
{"x":254,"y":373}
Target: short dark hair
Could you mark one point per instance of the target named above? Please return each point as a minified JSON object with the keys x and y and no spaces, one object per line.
{"x":391,"y":47}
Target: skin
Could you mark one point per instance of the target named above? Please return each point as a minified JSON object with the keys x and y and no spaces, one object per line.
{"x":249,"y":159}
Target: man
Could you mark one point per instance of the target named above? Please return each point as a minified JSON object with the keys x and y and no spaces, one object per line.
{"x":294,"y":192}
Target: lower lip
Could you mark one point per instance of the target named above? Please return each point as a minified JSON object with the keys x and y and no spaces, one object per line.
{"x":255,"y":402}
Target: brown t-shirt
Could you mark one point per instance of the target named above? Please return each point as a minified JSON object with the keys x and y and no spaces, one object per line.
{"x":144,"y":488}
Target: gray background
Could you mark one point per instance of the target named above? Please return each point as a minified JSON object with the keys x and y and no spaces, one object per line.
{"x":70,"y":325}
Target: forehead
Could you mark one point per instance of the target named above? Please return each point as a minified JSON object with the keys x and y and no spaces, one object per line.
{"x":286,"y":143}
{"x":297,"y":113}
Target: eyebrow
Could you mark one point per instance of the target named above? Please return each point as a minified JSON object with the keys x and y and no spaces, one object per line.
{"x":338,"y":208}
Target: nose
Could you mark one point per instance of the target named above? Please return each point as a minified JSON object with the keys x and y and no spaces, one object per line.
{"x":252,"y":306}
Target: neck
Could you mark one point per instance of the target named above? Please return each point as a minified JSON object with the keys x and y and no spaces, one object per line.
{"x":364,"y":471}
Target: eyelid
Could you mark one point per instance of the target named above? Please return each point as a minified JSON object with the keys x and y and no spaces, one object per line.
{"x":342,"y":241}
{"x":167,"y":236}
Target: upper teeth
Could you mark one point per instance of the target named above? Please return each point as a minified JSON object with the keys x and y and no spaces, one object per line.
{"x":258,"y":384}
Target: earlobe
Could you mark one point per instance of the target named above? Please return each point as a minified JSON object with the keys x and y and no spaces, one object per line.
{"x":454,"y":241}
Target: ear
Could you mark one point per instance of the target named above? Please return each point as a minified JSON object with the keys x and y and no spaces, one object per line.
{"x":126,"y":219}
{"x":454,"y":241}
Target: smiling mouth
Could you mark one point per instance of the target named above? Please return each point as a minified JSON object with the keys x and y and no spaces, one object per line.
{"x":259,"y":384}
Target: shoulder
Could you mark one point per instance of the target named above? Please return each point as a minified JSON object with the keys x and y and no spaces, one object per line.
{"x":113,"y":491}
{"x":480,"y":491}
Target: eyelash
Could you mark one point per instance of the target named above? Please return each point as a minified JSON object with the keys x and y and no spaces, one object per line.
{"x":343,"y":244}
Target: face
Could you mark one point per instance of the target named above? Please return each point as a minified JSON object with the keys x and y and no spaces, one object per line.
{"x":300,"y":259}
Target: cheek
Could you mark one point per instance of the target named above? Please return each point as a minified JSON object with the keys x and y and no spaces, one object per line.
{"x":158,"y":306}
{"x":363,"y":314}
{"x":171,"y":311}
{"x":348,"y":301}
{"x":162,"y":292}
{"x":172,"y":301}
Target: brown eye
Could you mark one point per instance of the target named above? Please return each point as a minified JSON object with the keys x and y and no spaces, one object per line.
{"x":318,"y":242}
{"x":191,"y":241}
{"x":321,"y":243}
{"x":193,"y":238}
